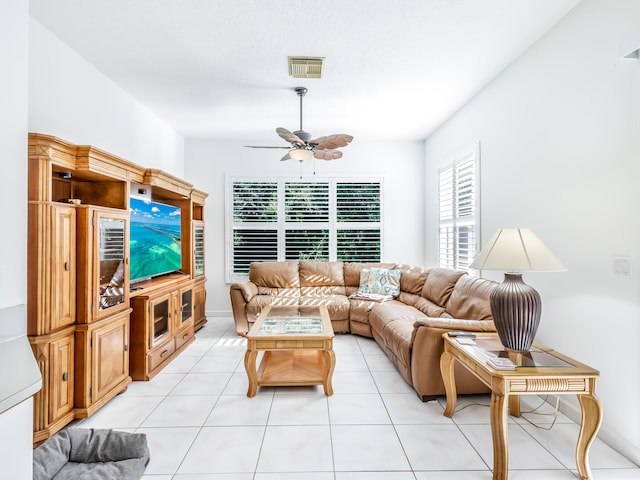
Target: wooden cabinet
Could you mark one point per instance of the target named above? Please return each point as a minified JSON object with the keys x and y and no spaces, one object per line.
{"x":103,"y":262}
{"x":79,"y":304}
{"x":63,"y":267}
{"x":199,"y":300}
{"x":53,"y":404}
{"x":102,"y":362}
{"x":161,"y":324}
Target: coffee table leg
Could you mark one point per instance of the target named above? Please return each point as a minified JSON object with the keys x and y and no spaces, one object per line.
{"x":329,"y":366}
{"x":250,"y":367}
{"x":447,"y":362}
{"x":499,"y":413}
{"x":591,"y":420}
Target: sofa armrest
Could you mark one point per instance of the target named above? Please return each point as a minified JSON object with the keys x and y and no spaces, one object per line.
{"x":455,"y":324}
{"x":248,"y":290}
{"x":241,"y":294}
{"x":427,"y":347}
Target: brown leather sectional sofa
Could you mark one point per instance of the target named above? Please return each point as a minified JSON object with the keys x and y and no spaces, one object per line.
{"x":409,"y":328}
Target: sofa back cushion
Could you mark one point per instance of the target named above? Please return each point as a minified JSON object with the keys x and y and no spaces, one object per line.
{"x":352,"y":273}
{"x":321,"y":278}
{"x":274,"y":275}
{"x":439,"y":285}
{"x":412,"y":278}
{"x":470,"y":298}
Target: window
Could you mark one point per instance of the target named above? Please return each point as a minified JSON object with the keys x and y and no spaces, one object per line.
{"x":458,"y":195}
{"x":284,"y":219}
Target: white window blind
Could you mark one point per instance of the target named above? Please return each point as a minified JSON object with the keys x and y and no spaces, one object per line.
{"x":458,"y":199}
{"x":283,"y":219}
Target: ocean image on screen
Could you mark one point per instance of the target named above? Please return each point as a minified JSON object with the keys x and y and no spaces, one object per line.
{"x":154,"y":239}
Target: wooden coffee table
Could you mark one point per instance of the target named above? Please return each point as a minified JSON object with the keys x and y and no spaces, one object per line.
{"x":298,"y":348}
{"x":541,"y":371}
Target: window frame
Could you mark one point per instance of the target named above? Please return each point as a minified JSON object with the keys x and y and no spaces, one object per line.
{"x":280,"y":225}
{"x":455,"y":222}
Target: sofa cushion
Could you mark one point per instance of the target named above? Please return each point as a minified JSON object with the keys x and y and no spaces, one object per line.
{"x":381,"y":281}
{"x":470,"y":298}
{"x":337,"y":305}
{"x":439,"y":285}
{"x":274,"y":274}
{"x":352,"y":272}
{"x":412,"y":278}
{"x":321,"y":274}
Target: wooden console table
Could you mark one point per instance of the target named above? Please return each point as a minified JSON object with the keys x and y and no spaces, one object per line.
{"x":541,"y":371}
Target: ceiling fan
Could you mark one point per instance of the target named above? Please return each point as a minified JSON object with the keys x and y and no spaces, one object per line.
{"x":303,"y":148}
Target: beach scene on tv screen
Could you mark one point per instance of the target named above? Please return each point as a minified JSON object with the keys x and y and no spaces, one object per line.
{"x":154,"y":239}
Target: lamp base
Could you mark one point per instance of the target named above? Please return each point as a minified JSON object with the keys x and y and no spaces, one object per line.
{"x":516,"y":308}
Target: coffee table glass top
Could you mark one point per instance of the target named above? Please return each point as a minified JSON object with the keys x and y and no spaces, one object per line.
{"x":297,"y":320}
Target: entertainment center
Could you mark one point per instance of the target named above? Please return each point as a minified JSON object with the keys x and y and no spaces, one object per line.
{"x":115,"y":273}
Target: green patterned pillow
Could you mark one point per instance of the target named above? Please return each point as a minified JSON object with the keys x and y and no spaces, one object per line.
{"x":380,"y":281}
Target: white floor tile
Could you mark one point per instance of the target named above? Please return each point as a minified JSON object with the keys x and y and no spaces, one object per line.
{"x":161,"y":384}
{"x":351,"y":363}
{"x":295,"y":476}
{"x":217,"y":363}
{"x":296,"y":449}
{"x":211,"y":476}
{"x":122,"y":412}
{"x":367,"y":448}
{"x":181,"y":411}
{"x":357,"y":408}
{"x":524,"y":451}
{"x":379,"y":362}
{"x":438,"y":447}
{"x":407,"y":408}
{"x":462,"y":475}
{"x":353,"y":382}
{"x":224,"y":450}
{"x":391,"y":382}
{"x":240,"y":410}
{"x":168,"y":446}
{"x":202,"y":384}
{"x":374,"y":476}
{"x":299,"y":409}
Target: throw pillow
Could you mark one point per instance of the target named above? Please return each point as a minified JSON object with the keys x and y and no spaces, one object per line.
{"x":380,"y":281}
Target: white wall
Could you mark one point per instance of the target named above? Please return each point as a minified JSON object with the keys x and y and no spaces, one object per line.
{"x":560,"y":146}
{"x":401,"y":164}
{"x":16,"y":423}
{"x":71,"y":99}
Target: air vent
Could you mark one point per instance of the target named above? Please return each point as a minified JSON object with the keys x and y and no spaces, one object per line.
{"x":306,"y":67}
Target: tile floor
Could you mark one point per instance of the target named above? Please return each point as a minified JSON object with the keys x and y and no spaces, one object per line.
{"x":201,"y":425}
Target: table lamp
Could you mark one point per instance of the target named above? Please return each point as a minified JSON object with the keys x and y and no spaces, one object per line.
{"x":516,"y":306}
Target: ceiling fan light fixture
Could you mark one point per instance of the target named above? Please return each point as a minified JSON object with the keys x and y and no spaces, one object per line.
{"x":300,"y":154}
{"x":306,"y":67}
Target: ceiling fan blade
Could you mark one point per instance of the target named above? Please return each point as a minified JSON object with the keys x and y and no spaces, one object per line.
{"x":286,"y":157}
{"x":327,"y":154}
{"x":331,"y":141}
{"x":289,"y":137}
{"x":260,"y":146}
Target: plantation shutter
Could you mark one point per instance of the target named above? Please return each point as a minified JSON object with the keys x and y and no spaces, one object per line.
{"x":283,"y":219}
{"x":458,"y":211}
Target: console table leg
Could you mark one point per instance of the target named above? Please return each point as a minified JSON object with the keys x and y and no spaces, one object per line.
{"x":499,"y":414}
{"x":329,"y":366}
{"x":250,"y":367}
{"x":447,"y":362}
{"x":591,"y":420}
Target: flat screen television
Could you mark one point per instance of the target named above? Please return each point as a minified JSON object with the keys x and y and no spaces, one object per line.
{"x":154,"y":239}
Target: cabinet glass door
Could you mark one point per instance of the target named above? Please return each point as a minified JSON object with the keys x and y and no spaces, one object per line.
{"x":112,"y":245}
{"x":198,"y":250}
{"x":187,"y":305}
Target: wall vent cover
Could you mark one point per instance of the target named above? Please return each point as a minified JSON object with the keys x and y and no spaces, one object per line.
{"x":306,"y":67}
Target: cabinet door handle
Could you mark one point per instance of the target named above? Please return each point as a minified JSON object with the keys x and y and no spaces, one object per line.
{"x":126,"y":348}
{"x":65,"y":376}
{"x":66,"y":266}
{"x":185,"y":336}
{"x":164,"y":353}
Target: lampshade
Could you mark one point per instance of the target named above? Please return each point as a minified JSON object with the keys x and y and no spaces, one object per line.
{"x":300,"y":154}
{"x":516,"y":306}
{"x":516,"y":250}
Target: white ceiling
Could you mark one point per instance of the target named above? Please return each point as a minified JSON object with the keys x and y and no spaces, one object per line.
{"x":395,"y":69}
